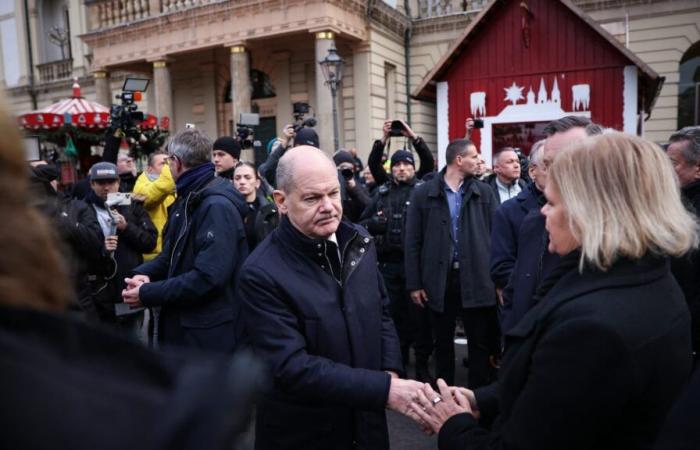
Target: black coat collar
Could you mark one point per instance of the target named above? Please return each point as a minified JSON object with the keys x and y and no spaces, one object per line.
{"x":572,"y":284}
{"x":435,"y":187}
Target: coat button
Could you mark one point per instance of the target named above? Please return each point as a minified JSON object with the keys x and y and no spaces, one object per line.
{"x":318,"y":245}
{"x":322,"y":266}
{"x":362,"y":250}
{"x":366,"y":240}
{"x":320,"y":254}
{"x":352,"y":263}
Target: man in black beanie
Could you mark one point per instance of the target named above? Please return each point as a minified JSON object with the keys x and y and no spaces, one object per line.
{"x":225,"y":156}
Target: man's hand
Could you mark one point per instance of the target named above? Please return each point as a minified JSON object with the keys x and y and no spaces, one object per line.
{"x":407,"y":131}
{"x":130,"y":294}
{"x":287,"y":134}
{"x":119,"y":219}
{"x":435,"y":409}
{"x":111,"y":243}
{"x":136,"y":280}
{"x":386,"y":129}
{"x":401,"y":394}
{"x":419,"y":297}
{"x":469,"y":126}
{"x":131,"y":297}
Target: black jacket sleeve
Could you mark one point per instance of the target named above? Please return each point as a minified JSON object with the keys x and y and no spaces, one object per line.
{"x":111,"y":150}
{"x":375,"y":163}
{"x":427,"y":163}
{"x":140,"y":233}
{"x":268,"y":169}
{"x":79,"y":226}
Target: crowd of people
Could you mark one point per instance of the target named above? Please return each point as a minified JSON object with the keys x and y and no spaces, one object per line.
{"x":574,"y":281}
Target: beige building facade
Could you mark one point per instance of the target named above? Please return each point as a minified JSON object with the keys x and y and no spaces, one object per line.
{"x":210,"y":60}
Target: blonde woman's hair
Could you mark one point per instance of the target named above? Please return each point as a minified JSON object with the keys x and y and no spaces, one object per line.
{"x":622,"y":200}
{"x":31,"y":270}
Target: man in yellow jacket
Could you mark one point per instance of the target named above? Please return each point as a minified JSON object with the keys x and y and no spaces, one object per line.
{"x":156,"y":187}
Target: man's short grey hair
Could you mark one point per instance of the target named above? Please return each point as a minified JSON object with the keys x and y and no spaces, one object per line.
{"x":691,"y":136}
{"x":537,"y":153}
{"x":569,"y":122}
{"x":192,"y":147}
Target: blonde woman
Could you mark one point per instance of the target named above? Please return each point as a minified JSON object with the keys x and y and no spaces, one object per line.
{"x":598,"y":361}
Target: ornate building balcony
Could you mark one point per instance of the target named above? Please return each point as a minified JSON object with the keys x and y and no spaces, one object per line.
{"x":55,"y":70}
{"x":428,"y":9}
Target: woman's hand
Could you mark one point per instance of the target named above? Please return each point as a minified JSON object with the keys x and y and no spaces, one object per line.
{"x":434,"y":409}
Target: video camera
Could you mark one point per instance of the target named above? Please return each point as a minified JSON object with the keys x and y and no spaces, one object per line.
{"x":125,"y":116}
{"x":301,"y":109}
{"x":245,"y":130}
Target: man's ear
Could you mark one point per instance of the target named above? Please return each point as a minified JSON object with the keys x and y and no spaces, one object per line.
{"x":280,"y":199}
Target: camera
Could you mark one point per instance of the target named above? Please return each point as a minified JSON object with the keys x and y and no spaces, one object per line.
{"x":397,"y":128}
{"x":245,"y":130}
{"x":301,"y":109}
{"x":348,"y":174}
{"x":125,"y":116}
{"x":478,"y":123}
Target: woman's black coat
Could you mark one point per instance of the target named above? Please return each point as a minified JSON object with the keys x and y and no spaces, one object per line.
{"x":596,"y":365}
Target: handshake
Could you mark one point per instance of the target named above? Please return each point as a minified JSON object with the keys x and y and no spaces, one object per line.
{"x":428,"y":408}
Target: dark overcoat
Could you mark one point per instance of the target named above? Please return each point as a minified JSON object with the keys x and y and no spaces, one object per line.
{"x":429,"y":245}
{"x":327,"y":342}
{"x":193,"y":279}
{"x":595,"y":365}
{"x":533,"y":264}
{"x":506,"y":229}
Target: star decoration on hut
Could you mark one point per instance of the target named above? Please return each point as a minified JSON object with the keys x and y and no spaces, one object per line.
{"x":514,"y":93}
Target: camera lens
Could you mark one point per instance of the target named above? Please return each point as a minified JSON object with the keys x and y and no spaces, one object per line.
{"x":347,"y":174}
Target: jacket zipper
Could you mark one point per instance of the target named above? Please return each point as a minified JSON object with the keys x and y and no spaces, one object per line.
{"x":182,"y":234}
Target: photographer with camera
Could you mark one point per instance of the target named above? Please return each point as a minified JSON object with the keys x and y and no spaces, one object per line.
{"x":127,"y":232}
{"x":354,"y":195}
{"x":292,"y":136}
{"x":385,"y":219}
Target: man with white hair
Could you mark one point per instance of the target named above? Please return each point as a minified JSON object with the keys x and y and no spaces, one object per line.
{"x":316,"y":310}
{"x":507,"y":220}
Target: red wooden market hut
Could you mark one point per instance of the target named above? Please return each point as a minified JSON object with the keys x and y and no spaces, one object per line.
{"x":523,"y":63}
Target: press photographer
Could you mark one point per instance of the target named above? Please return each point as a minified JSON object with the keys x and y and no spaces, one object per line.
{"x":300,"y":132}
{"x":354,"y":195}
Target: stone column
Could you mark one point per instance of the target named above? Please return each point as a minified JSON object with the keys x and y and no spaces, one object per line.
{"x":283,"y":89}
{"x":163,"y":91}
{"x":364,"y":134}
{"x":324,"y":100}
{"x":241,"y":89}
{"x":103,"y":91}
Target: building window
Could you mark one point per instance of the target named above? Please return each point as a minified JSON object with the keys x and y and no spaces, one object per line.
{"x":689,"y":88}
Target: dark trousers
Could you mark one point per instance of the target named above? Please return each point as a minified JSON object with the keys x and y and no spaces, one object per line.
{"x":480,"y":328}
{"x":412,"y":322}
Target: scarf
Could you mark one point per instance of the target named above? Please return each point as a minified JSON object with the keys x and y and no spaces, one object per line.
{"x":194,"y":178}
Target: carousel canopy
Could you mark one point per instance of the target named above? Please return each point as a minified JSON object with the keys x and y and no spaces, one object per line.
{"x":74,"y":111}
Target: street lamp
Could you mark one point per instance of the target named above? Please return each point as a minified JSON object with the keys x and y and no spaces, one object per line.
{"x":332,"y":68}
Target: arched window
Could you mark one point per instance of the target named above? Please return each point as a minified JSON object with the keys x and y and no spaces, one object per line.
{"x":689,"y":88}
